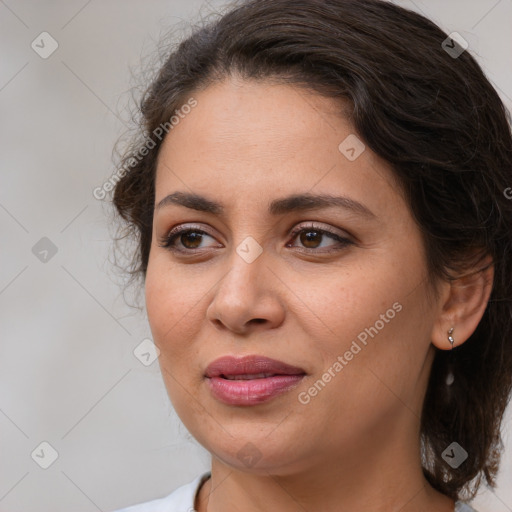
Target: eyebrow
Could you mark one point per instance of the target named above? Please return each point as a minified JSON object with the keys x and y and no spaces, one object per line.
{"x":293,"y":203}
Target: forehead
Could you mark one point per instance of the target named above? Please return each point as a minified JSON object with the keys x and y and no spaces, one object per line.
{"x":265,"y":138}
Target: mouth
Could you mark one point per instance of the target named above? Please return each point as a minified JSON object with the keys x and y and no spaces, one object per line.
{"x":248,"y":376}
{"x":251,"y":380}
{"x":250,"y":367}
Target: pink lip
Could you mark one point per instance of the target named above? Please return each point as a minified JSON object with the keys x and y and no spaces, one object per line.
{"x":231,"y":365}
{"x":251,"y":391}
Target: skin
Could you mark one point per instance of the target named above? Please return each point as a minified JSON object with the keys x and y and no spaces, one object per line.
{"x":355,"y":445}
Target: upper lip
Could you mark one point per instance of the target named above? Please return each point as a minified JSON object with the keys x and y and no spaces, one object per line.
{"x":248,"y":365}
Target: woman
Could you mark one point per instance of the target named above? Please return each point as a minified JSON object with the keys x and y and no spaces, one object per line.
{"x":318,"y":197}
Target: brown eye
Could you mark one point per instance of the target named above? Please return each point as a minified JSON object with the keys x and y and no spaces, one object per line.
{"x":183,"y":240}
{"x":191,"y":239}
{"x":311,"y":239}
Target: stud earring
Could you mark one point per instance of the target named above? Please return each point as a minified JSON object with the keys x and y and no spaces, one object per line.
{"x":450,"y":337}
{"x":450,"y":378}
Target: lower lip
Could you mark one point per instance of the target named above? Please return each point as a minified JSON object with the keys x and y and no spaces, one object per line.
{"x":253,"y":391}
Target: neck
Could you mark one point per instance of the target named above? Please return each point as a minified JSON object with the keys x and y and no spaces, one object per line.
{"x":365,"y":478}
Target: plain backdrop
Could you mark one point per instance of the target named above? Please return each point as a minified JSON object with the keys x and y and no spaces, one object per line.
{"x":68,"y":373}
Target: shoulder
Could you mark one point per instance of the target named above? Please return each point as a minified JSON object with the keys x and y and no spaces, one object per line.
{"x":463,"y":507}
{"x":180,"y":500}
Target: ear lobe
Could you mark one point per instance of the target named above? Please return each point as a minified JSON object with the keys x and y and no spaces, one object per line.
{"x":463,"y":306}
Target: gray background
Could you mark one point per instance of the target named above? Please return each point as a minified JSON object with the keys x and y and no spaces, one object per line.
{"x":68,"y":374}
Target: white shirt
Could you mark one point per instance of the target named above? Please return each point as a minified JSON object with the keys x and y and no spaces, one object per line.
{"x":182,"y":500}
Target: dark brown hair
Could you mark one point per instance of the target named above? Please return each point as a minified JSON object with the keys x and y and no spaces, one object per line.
{"x":439,"y":123}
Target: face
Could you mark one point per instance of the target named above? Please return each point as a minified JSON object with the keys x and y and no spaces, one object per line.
{"x":337,"y":290}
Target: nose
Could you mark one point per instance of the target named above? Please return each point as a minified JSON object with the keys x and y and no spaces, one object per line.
{"x":247,"y":298}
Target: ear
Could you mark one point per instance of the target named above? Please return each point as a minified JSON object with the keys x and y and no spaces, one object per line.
{"x":462,"y":304}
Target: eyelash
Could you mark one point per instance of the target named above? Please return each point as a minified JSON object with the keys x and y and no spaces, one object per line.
{"x":168,"y":240}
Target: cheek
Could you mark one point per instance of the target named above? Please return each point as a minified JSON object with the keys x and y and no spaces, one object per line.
{"x":171,"y":304}
{"x":160,"y":295}
{"x":378,"y":323}
{"x":347,"y":302}
{"x":376,"y":313}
